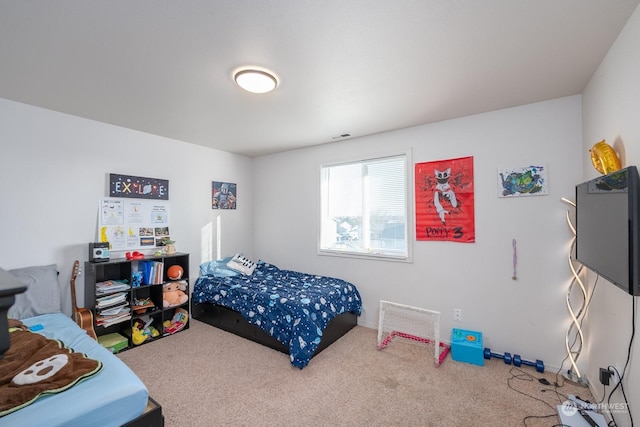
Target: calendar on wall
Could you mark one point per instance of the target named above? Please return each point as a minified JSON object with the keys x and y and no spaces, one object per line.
{"x":129,"y":224}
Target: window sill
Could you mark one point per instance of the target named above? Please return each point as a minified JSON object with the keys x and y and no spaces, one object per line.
{"x":369,"y":256}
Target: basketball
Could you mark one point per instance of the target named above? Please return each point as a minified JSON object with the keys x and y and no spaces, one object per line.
{"x":175,"y":272}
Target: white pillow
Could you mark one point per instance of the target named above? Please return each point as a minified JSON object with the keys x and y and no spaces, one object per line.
{"x":241,"y":263}
{"x":42,"y":295}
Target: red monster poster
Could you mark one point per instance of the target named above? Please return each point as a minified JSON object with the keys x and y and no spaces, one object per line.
{"x":444,"y":200}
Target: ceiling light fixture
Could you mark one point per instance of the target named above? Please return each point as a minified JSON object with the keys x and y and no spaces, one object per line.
{"x":255,"y":81}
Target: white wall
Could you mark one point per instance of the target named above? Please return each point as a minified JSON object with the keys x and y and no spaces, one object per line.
{"x":610,"y":106}
{"x":55,"y":167}
{"x":527,"y":316}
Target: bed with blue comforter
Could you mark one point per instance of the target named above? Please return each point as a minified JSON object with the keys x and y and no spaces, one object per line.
{"x":292,"y":307}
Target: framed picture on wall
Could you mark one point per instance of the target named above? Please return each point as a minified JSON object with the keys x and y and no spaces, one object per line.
{"x":223,"y":195}
{"x":138,"y":187}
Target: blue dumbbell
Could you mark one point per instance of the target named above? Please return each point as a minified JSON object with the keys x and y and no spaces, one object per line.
{"x":506,"y":357}
{"x":538,"y":364}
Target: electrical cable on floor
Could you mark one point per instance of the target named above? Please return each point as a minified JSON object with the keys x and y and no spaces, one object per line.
{"x":524,"y":376}
{"x":558,"y":384}
{"x":540,"y":417}
{"x":561,"y":396}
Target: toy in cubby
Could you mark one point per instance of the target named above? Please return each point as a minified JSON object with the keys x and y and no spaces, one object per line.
{"x":177,"y":323}
{"x":142,"y":331}
{"x":141,"y":305}
{"x":136,"y":279}
{"x":173,"y":293}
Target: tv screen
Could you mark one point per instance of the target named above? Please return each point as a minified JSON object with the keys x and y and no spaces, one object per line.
{"x":607,"y":234}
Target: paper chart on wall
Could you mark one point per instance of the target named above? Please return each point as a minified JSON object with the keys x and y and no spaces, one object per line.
{"x":129,"y":224}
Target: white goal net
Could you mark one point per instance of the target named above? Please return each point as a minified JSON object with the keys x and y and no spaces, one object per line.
{"x":411,"y":323}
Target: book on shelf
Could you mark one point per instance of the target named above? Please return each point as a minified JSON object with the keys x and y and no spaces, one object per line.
{"x":152,"y":272}
{"x":107,"y":321}
{"x":115,"y":310}
{"x":111,"y":299}
{"x":109,"y":286}
{"x":112,"y":309}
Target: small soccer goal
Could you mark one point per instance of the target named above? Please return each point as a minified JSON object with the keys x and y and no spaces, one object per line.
{"x":412,"y":323}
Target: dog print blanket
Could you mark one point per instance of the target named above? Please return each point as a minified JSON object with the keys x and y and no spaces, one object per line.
{"x":35,"y":366}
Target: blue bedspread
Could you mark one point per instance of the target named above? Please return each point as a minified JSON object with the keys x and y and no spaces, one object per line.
{"x":292,"y":307}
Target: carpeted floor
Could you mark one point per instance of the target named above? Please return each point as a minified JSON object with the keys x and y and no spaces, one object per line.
{"x":204,"y":376}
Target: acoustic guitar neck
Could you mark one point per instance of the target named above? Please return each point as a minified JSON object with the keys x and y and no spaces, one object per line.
{"x":82,"y":316}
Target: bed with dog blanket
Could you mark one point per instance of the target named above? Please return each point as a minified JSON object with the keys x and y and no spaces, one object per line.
{"x":105,"y":391}
{"x":35,"y":366}
{"x":55,"y":374}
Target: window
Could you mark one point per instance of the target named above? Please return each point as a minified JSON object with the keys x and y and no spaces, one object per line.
{"x":364,"y":208}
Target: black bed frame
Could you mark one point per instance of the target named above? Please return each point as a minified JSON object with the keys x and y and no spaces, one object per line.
{"x":151,"y":417}
{"x":232,"y":321}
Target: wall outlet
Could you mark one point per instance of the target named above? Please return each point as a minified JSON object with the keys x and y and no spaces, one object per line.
{"x":457,"y":315}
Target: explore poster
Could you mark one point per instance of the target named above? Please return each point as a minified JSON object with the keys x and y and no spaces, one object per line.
{"x":445,"y":200}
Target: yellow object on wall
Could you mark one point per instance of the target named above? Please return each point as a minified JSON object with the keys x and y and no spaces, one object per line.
{"x":604,"y":158}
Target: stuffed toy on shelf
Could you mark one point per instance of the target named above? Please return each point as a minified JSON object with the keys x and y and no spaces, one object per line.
{"x":173,"y":293}
{"x":141,"y":332}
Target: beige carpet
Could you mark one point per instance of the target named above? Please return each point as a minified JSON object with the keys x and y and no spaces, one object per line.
{"x":207,"y":377}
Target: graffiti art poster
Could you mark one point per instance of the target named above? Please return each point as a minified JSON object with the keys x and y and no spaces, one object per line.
{"x":445,"y":200}
{"x":523,"y":181}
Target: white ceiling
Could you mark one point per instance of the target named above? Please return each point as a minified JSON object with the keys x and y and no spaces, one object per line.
{"x":345,"y":66}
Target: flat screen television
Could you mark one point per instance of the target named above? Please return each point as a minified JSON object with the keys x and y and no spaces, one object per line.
{"x":608,"y":227}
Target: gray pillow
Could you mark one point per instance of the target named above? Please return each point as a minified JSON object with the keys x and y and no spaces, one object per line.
{"x":42,"y":295}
